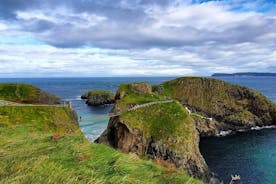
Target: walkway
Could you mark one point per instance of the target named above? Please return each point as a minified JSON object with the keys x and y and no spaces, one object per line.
{"x":140,"y":106}
{"x":153,"y":103}
{"x":9,"y":103}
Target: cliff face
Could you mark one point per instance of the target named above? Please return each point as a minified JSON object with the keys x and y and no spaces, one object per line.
{"x":230,"y":106}
{"x":161,"y":131}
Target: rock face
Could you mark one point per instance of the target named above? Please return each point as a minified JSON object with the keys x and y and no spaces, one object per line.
{"x":98,"y":97}
{"x":160,"y":131}
{"x":231,"y":107}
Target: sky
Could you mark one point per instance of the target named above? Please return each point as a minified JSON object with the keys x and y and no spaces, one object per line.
{"x":105,"y":38}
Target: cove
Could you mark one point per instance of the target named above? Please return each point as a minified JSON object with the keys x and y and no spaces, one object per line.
{"x":252,"y":155}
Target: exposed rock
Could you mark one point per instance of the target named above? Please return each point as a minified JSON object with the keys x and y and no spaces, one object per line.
{"x":142,"y":88}
{"x":139,"y":88}
{"x":131,"y":140}
{"x":98,"y":97}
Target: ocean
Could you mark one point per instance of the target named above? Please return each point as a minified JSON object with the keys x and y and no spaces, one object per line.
{"x":252,"y":155}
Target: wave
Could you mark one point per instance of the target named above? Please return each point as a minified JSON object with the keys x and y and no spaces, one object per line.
{"x":224,"y":133}
{"x":263,"y":127}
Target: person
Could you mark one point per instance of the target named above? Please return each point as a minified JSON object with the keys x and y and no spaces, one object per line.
{"x":80,"y":118}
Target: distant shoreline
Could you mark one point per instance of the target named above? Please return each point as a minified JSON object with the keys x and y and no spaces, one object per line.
{"x":243,"y":74}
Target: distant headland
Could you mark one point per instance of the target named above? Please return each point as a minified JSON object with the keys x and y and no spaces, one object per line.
{"x":243,"y":74}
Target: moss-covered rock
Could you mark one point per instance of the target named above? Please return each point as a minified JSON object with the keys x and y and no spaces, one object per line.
{"x":98,"y":97}
{"x":25,"y":93}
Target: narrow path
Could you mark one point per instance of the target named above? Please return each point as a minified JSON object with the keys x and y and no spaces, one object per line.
{"x":153,"y":103}
{"x":9,"y":103}
{"x":140,"y":106}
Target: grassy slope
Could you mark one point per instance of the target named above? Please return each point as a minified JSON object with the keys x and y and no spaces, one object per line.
{"x":210,"y":95}
{"x":162,"y":121}
{"x":131,"y":98}
{"x":25,"y":93}
{"x":98,"y":92}
{"x":43,"y":145}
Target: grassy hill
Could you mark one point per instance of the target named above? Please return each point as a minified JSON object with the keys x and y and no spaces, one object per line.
{"x":25,"y":93}
{"x":43,"y":144}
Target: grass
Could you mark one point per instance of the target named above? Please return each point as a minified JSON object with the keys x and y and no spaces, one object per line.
{"x":43,"y":145}
{"x":133,"y":98}
{"x":210,"y":96}
{"x":162,"y":121}
{"x":25,"y":93}
{"x":99,"y":92}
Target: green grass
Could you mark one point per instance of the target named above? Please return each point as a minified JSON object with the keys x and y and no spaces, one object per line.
{"x":99,"y":92}
{"x":25,"y":93}
{"x":36,"y":148}
{"x":133,"y":98}
{"x":162,"y":121}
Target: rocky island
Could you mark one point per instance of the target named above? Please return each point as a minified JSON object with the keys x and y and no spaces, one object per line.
{"x":165,"y":122}
{"x":98,"y":97}
{"x":42,"y":143}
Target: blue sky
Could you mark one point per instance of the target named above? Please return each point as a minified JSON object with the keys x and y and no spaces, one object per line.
{"x":86,"y":38}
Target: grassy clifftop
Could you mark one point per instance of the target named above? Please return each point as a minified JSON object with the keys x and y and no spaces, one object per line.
{"x":221,"y":100}
{"x":25,"y":93}
{"x":43,"y":144}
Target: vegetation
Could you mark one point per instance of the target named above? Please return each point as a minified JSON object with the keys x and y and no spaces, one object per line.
{"x":216,"y":98}
{"x":130,"y":97}
{"x":162,"y":121}
{"x":25,"y":93}
{"x":44,"y":145}
{"x":98,"y":92}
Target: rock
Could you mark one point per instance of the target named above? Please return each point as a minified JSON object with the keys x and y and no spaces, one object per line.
{"x":139,"y":88}
{"x":231,"y":107}
{"x":98,"y":97}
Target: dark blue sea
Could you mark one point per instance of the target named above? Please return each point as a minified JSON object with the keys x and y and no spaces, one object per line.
{"x":252,"y":155}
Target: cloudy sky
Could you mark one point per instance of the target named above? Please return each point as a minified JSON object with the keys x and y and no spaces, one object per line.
{"x":81,"y":38}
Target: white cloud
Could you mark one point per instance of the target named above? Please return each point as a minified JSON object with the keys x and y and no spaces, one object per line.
{"x":130,"y":38}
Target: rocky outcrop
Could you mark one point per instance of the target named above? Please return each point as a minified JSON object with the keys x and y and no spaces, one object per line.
{"x":138,"y":88}
{"x":231,"y":107}
{"x":171,"y":132}
{"x":131,"y":140}
{"x":98,"y":97}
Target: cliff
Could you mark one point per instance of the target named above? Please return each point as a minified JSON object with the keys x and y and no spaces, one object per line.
{"x":98,"y":97}
{"x":43,"y":144}
{"x":163,"y":130}
{"x":231,"y":107}
{"x":25,"y":93}
{"x":165,"y":122}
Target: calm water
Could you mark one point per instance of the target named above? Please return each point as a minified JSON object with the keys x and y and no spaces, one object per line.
{"x":252,"y":155}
